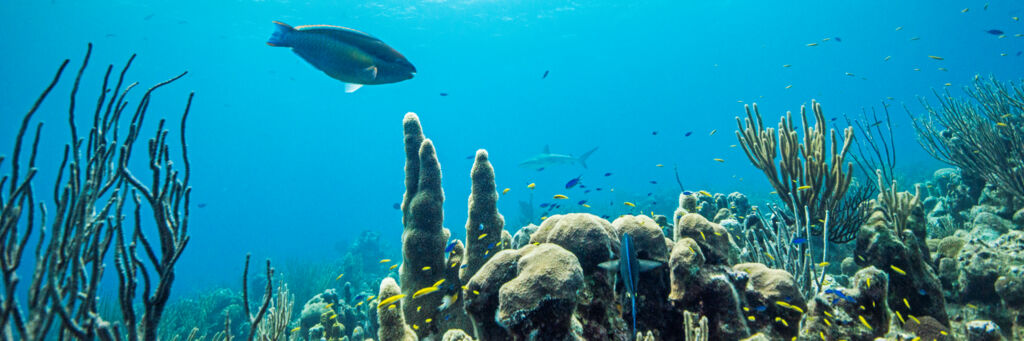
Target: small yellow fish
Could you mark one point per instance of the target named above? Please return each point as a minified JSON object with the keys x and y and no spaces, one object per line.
{"x":659,"y":165}
{"x":476,"y":292}
{"x":428,"y":320}
{"x":393,"y":267}
{"x":767,"y":254}
{"x":782,"y":320}
{"x":425,"y":268}
{"x":899,"y":28}
{"x":360,"y":303}
{"x":385,"y":260}
{"x":1015,"y":18}
{"x":898,"y":270}
{"x":713,"y":131}
{"x":887,"y":58}
{"x":505,"y":191}
{"x":773,"y":192}
{"x":787,"y":65}
{"x":585,"y":205}
{"x":906,"y":303}
{"x":864,"y":321}
{"x":732,"y":146}
{"x":787,"y":87}
{"x":804,"y":187}
{"x":416,"y":327}
{"x":438,"y":283}
{"x":543,"y":218}
{"x":914,"y":318}
{"x":823,"y":264}
{"x":828,"y":314}
{"x":560,"y":196}
{"x":784,"y":304}
{"x":418,"y":308}
{"x":705,"y":193}
{"x":1001,"y":124}
{"x":751,"y":317}
{"x":972,"y":306}
{"x":370,"y":298}
{"x":869,"y":282}
{"x":820,"y":333}
{"x":296,"y":329}
{"x":948,"y":84}
{"x":850,"y":74}
{"x":702,"y":236}
{"x":531,"y":185}
{"x":828,"y":323}
{"x":424,"y":291}
{"x":334,"y":316}
{"x":1006,"y":116}
{"x":339,"y":277}
{"x":482,"y":235}
{"x":389,"y":300}
{"x":393,"y":306}
{"x":936,"y":57}
{"x":329,"y":305}
{"x":965,"y":10}
{"x":719,"y":160}
{"x":900,"y":316}
{"x":826,"y":39}
{"x":812,"y":44}
{"x":629,"y":204}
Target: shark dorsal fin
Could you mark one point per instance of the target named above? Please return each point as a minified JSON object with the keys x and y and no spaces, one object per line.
{"x":547,"y":149}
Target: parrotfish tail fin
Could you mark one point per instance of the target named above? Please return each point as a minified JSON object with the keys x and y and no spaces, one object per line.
{"x":634,"y":317}
{"x":352,"y":87}
{"x":611,"y":265}
{"x":279,"y":37}
{"x":583,"y":158}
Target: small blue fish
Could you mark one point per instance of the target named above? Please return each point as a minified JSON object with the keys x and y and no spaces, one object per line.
{"x":994,"y":32}
{"x":581,"y":202}
{"x":838,"y":40}
{"x":573,"y":182}
{"x":491,"y":246}
{"x":799,"y":241}
{"x":481,"y":227}
{"x":607,"y":174}
{"x":921,"y":292}
{"x":587,"y":191}
{"x":650,"y":193}
{"x":358,"y":297}
{"x":540,"y":169}
{"x":841,"y":295}
{"x":450,"y":247}
{"x":687,"y":193}
{"x":544,"y":205}
{"x":599,"y":188}
{"x":761,"y":308}
{"x":463,"y":266}
{"x":545,"y":75}
{"x":605,"y":216}
{"x":444,"y":94}
{"x":397,"y":206}
{"x":653,"y":182}
{"x":449,"y":316}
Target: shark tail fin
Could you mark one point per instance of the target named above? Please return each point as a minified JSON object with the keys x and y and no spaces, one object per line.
{"x":583,"y":158}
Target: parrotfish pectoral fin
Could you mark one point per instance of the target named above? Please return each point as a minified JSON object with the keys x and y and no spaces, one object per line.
{"x":279,"y":37}
{"x":647,"y":265}
{"x":370,"y":72}
{"x":612,"y":265}
{"x":352,"y":87}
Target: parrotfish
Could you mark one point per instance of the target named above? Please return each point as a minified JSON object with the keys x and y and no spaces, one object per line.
{"x":630,"y":266}
{"x":350,"y":56}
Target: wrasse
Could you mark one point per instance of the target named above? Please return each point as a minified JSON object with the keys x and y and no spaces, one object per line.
{"x":389,"y":300}
{"x":385,"y":260}
{"x":898,"y":270}
{"x":425,"y":268}
{"x":812,"y":44}
{"x":785,"y":304}
{"x":482,"y":235}
{"x":1001,"y":124}
{"x":339,"y":277}
{"x":424,"y":291}
{"x":561,"y":196}
{"x":296,"y":329}
{"x":719,"y":160}
{"x":393,"y":267}
{"x":936,"y":57}
{"x":531,"y":185}
{"x":804,"y":187}
{"x":705,"y":193}
{"x":629,"y":204}
{"x":505,"y":191}
{"x":823,"y":264}
{"x":864,"y":321}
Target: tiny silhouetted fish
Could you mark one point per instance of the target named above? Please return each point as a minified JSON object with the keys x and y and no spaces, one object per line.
{"x":688,"y":134}
{"x":581,"y":202}
{"x":201,"y":205}
{"x":545,"y":75}
{"x":834,"y":119}
{"x":587,"y":191}
{"x":799,"y":241}
{"x":573,"y":182}
{"x":994,"y":32}
{"x":1018,"y":53}
{"x":443,"y":94}
{"x":654,"y":132}
{"x":396,"y":206}
{"x":605,"y":216}
{"x":838,"y":40}
{"x":761,"y":308}
{"x":654,"y":182}
{"x":599,"y":188}
{"x":921,"y":292}
{"x":544,"y":205}
{"x":150,"y":16}
{"x":650,"y":193}
{"x":607,"y":174}
{"x":540,"y":169}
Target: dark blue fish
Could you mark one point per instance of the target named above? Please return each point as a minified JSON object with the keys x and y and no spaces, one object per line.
{"x":358,"y":297}
{"x":587,"y":191}
{"x":540,"y":169}
{"x":443,"y":94}
{"x":687,"y":193}
{"x":649,"y":193}
{"x":799,"y":241}
{"x":470,"y":157}
{"x":397,"y":206}
{"x":994,"y":32}
{"x":573,"y":182}
{"x":630,"y":267}
{"x":448,"y":317}
{"x":688,"y":134}
{"x":599,"y":188}
{"x":201,"y":205}
{"x":654,"y":132}
{"x":607,"y":174}
{"x":1018,"y":53}
{"x":581,"y":202}
{"x":350,"y":56}
{"x":921,"y":292}
{"x":450,"y":247}
{"x":481,"y":227}
{"x":760,"y":308}
{"x":653,"y":182}
{"x":545,"y":74}
{"x":838,"y":40}
{"x":583,"y":186}
{"x":463,"y":266}
{"x":834,"y":119}
{"x":841,"y":295}
{"x":544,"y":205}
{"x":605,"y":216}
{"x":491,"y":246}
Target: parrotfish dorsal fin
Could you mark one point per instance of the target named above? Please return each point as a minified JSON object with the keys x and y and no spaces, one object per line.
{"x":363,"y":41}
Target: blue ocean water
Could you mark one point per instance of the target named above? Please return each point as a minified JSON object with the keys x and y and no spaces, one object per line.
{"x":288,"y":166}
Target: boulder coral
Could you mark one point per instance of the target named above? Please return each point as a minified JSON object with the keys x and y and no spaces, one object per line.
{"x":520,"y":293}
{"x":861,"y":313}
{"x":653,"y":311}
{"x":709,"y":289}
{"x":766,"y":287}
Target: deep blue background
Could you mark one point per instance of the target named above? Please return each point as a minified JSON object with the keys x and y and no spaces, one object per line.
{"x":289,"y":165}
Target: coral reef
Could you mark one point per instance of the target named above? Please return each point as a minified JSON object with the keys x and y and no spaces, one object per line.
{"x":391,"y":317}
{"x":857,"y":313}
{"x":485,"y":225}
